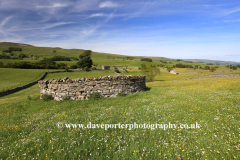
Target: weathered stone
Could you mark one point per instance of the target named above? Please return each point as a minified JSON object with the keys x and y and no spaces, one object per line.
{"x":107,"y":86}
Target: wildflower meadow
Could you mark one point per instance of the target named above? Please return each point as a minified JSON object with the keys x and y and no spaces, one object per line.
{"x":29,"y":126}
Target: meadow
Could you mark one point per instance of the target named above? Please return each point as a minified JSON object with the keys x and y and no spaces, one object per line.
{"x":30,"y":126}
{"x":11,"y":78}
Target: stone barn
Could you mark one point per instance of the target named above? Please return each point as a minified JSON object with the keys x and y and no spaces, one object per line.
{"x":174,"y":72}
{"x":105,"y":67}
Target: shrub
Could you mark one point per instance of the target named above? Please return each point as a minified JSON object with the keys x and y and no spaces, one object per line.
{"x":47,"y":97}
{"x":206,"y":68}
{"x":233,"y":67}
{"x":86,"y":69}
{"x":66,"y":98}
{"x":66,"y":69}
{"x":169,"y":69}
{"x":94,"y":96}
{"x":94,"y":68}
{"x":180,"y":65}
{"x":60,"y":58}
{"x":212,"y":69}
{"x":73,"y":66}
{"x":148,"y":89}
{"x":121,"y":95}
{"x":117,"y":71}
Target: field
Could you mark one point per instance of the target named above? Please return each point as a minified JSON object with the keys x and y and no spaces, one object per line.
{"x":29,"y":125}
{"x":11,"y":78}
{"x":196,"y":118}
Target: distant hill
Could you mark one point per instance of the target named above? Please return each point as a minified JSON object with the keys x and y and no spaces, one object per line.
{"x":106,"y":58}
{"x":11,"y":43}
{"x":214,"y":61}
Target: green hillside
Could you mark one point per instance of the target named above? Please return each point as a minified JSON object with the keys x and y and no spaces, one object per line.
{"x":98,"y":58}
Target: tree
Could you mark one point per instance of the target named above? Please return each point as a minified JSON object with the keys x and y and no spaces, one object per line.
{"x":233,"y":67}
{"x":1,"y":65}
{"x":206,"y":68}
{"x":150,"y":72}
{"x":212,"y":69}
{"x":143,"y":67}
{"x":146,"y":59}
{"x":169,"y":69}
{"x":85,"y":59}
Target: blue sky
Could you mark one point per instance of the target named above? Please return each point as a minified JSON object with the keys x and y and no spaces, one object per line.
{"x":185,"y":29}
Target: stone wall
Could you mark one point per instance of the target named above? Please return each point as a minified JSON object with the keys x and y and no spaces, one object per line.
{"x":4,"y":93}
{"x":16,"y":89}
{"x":107,"y":86}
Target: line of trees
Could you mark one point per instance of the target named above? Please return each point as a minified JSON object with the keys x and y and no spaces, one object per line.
{"x":10,"y":49}
{"x":233,"y":67}
{"x":146,"y":59}
{"x":60,"y":58}
{"x":43,"y":64}
{"x":13,"y":56}
{"x":180,"y":65}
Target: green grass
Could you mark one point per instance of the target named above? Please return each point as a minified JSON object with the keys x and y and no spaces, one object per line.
{"x":31,"y":91}
{"x":11,"y":78}
{"x":29,"y":127}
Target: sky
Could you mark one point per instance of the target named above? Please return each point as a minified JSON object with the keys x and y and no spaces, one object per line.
{"x":180,"y":29}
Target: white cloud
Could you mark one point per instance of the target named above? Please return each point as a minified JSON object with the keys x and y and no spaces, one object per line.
{"x":232,"y":11}
{"x":107,"y":4}
{"x":237,"y":20}
{"x":5,"y":21}
{"x":97,"y":15}
{"x":56,"y":24}
{"x":232,"y":55}
{"x":210,"y":5}
{"x":84,"y":5}
{"x":91,"y":30}
{"x":55,"y":5}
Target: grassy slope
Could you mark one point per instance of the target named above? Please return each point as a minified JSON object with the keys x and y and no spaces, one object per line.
{"x":98,"y":58}
{"x":29,"y":126}
{"x":11,"y":78}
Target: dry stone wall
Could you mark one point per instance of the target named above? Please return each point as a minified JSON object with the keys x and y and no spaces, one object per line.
{"x":4,"y":93}
{"x":107,"y":86}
